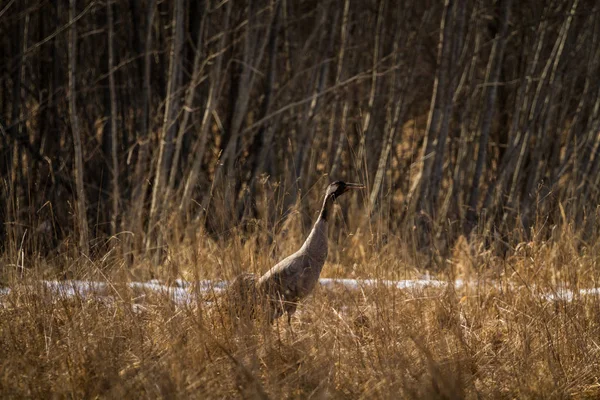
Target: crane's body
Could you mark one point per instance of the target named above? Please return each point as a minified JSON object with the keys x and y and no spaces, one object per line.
{"x":295,"y":277}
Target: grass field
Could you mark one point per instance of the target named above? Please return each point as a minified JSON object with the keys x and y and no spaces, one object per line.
{"x":153,"y":151}
{"x":499,"y":335}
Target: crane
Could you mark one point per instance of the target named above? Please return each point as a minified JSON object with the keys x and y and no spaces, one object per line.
{"x":295,"y":277}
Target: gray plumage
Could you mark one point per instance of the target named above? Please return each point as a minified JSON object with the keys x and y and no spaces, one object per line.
{"x":295,"y":277}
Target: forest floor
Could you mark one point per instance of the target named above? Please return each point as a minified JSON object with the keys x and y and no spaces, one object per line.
{"x":524,"y":326}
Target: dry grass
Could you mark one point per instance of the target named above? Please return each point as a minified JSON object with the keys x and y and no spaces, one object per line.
{"x":481,"y":341}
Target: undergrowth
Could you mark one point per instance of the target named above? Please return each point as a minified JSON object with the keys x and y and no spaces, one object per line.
{"x":496,"y":336}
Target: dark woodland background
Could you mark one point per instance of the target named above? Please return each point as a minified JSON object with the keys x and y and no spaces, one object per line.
{"x":144,"y":120}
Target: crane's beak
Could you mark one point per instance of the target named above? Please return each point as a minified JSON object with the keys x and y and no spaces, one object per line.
{"x":351,"y":186}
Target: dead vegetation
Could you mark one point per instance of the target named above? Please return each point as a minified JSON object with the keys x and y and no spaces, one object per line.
{"x":493,"y":338}
{"x":145,"y":139}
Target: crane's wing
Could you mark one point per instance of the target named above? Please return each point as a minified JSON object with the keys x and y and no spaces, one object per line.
{"x":288,"y":277}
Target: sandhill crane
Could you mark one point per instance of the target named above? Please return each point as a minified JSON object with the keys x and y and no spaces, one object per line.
{"x":295,"y":277}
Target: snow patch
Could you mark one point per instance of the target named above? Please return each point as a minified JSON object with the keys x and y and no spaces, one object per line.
{"x":185,"y":292}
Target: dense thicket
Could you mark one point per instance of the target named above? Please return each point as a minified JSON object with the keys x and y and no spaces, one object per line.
{"x":469,"y":116}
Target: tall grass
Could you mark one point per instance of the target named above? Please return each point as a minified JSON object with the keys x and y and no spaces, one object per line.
{"x":495,"y":337}
{"x":206,"y":158}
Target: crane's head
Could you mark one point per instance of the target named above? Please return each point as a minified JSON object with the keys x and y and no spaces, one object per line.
{"x":338,"y":188}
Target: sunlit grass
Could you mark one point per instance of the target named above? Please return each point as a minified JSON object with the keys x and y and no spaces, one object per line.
{"x":496,"y":336}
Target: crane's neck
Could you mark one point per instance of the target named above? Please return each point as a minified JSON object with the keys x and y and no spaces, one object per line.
{"x":327,"y":209}
{"x":316,"y":242}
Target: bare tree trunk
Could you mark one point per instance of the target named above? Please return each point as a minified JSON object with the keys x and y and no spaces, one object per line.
{"x":337,"y":158}
{"x":213,"y":94}
{"x":15,"y":130}
{"x":254,"y":50}
{"x":466,"y":118}
{"x":308,"y":126}
{"x":539,"y":98}
{"x":394,"y":115}
{"x":81,"y":203}
{"x":492,"y":75}
{"x":518,"y":144}
{"x":593,"y":163}
{"x":244,"y":87}
{"x":300,"y":132}
{"x":141,"y":167}
{"x":113,"y":123}
{"x":541,"y":152}
{"x":451,"y":62}
{"x":376,"y":50}
{"x":4,"y":161}
{"x":262,"y":142}
{"x":368,"y":142}
{"x":197,"y":70}
{"x":417,"y":196}
{"x":332,"y":133}
{"x":165,"y":152}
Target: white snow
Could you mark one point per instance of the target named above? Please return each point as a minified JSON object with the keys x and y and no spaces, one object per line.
{"x":402,"y":284}
{"x":185,"y":292}
{"x":568,"y":295}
